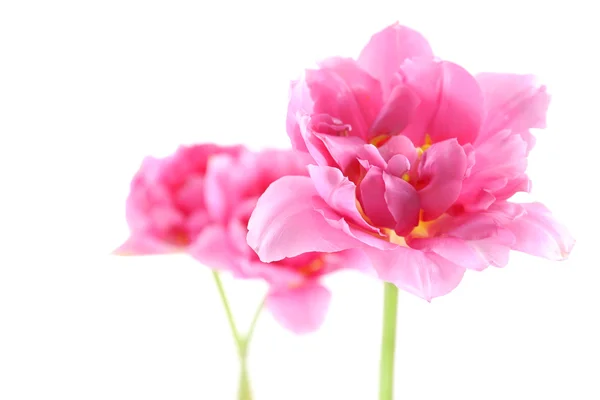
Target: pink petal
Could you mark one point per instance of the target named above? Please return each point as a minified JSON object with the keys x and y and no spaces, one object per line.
{"x":539,"y":234}
{"x":455,"y":250}
{"x":424,"y":274}
{"x":443,"y":166}
{"x":338,"y":192}
{"x":396,"y":113}
{"x":344,"y":91}
{"x":451,"y":101}
{"x":372,"y":198}
{"x":500,"y":161}
{"x":354,"y":259}
{"x":320,"y":133}
{"x":141,"y":244}
{"x":403,"y":202}
{"x":218,"y":187}
{"x":300,"y":309}
{"x":299,"y":103}
{"x":285,"y":223}
{"x":214,"y":249}
{"x":388,"y":49}
{"x":398,"y":165}
{"x":399,"y":145}
{"x":515,"y":102}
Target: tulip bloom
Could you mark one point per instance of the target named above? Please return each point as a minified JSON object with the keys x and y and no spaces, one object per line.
{"x":413,"y":162}
{"x":199,"y":200}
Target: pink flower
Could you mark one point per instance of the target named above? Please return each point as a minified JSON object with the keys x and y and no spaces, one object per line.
{"x":199,"y":201}
{"x":414,"y":160}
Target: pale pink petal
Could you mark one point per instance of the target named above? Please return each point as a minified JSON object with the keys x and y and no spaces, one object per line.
{"x":344,"y":91}
{"x":443,"y":169}
{"x":286,"y":224}
{"x":141,"y":244}
{"x":457,"y":251}
{"x":498,"y":170}
{"x":352,"y":259}
{"x":372,"y":237}
{"x":424,"y":274}
{"x":403,"y":203}
{"x":339,"y":193}
{"x":398,"y":165}
{"x":451,"y":101}
{"x":515,"y":102}
{"x":218,"y":187}
{"x":372,"y":198}
{"x":539,"y":234}
{"x":399,"y":145}
{"x":300,"y":309}
{"x":299,"y":103}
{"x":214,"y":249}
{"x":388,"y":49}
{"x":313,"y":143}
{"x":396,"y":113}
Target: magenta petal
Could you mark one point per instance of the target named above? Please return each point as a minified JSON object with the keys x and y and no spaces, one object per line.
{"x":398,"y":165}
{"x":403,"y":202}
{"x":344,"y":91}
{"x":443,"y":166}
{"x":450,"y":99}
{"x":300,"y":309}
{"x":388,"y":49}
{"x":539,"y":234}
{"x":426,"y":275}
{"x":396,"y":113}
{"x":372,"y":197}
{"x":338,"y":192}
{"x":285,"y":223}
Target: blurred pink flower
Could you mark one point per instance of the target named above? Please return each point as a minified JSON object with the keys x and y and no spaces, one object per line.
{"x":199,"y":201}
{"x":414,"y":161}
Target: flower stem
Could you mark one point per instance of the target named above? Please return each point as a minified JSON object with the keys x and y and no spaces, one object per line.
{"x":241,"y":342}
{"x":388,"y":342}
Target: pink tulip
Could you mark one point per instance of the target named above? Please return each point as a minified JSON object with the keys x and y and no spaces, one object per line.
{"x":199,"y":200}
{"x":414,"y":160}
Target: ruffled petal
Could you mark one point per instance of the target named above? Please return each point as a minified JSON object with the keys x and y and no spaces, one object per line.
{"x":424,"y":274}
{"x":539,"y":234}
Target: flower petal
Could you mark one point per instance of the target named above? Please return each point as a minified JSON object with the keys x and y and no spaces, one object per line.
{"x":300,"y":309}
{"x":515,"y":102}
{"x":403,"y":202}
{"x":213,"y":248}
{"x":539,"y":234}
{"x":285,"y":223}
{"x":452,"y":104}
{"x":443,"y":168}
{"x":424,"y":274}
{"x":344,"y":91}
{"x":388,"y":49}
{"x":372,"y":198}
{"x":299,"y":103}
{"x":396,"y":113}
{"x":339,"y":193}
{"x":455,"y":250}
{"x":141,"y":245}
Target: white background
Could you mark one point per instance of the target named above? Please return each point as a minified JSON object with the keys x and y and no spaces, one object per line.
{"x":87,"y":88}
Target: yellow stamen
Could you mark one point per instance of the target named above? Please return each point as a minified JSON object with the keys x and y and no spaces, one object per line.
{"x":406,"y":177}
{"x":313,"y":267}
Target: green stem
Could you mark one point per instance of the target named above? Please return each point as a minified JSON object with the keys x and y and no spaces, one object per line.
{"x":388,"y":342}
{"x":242,"y":342}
